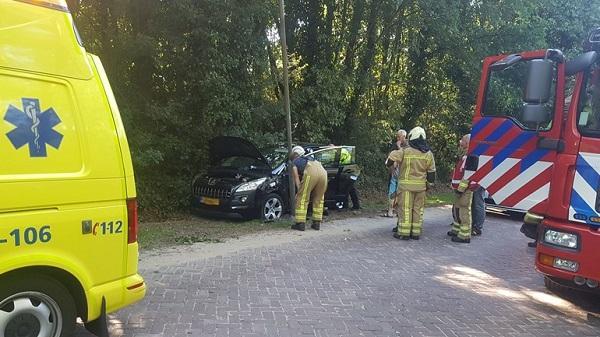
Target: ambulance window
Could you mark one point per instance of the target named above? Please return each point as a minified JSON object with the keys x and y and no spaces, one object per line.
{"x":588,"y":120}
{"x":504,"y":95}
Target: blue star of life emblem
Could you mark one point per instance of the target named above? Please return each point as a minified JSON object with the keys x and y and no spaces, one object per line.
{"x":33,"y":127}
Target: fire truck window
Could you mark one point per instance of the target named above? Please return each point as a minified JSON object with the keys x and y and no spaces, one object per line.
{"x":589,"y":116}
{"x":569,"y":90}
{"x":504,"y":95}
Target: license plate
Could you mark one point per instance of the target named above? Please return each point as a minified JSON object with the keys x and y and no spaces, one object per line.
{"x":209,"y":201}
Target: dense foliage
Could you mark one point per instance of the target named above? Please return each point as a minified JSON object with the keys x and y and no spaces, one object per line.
{"x":184,"y":71}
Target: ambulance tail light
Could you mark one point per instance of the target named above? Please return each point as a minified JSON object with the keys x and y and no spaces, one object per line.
{"x":132,"y":221}
{"x":59,"y":5}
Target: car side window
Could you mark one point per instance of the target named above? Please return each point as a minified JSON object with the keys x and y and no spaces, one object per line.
{"x":328,"y":158}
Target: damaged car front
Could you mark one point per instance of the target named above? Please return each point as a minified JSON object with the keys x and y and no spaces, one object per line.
{"x":241,"y":181}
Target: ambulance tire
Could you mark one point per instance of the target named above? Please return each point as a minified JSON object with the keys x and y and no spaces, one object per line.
{"x":36,"y":295}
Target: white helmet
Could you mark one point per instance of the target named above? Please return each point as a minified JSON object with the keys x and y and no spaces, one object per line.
{"x":416,"y":133}
{"x":299,"y":150}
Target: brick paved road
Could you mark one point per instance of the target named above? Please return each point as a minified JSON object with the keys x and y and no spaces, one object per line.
{"x":361,"y":283}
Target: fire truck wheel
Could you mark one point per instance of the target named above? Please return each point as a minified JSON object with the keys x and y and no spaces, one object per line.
{"x":36,"y":306}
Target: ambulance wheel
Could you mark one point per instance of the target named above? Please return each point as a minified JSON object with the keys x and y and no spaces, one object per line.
{"x":35,"y":307}
{"x":271,"y":207}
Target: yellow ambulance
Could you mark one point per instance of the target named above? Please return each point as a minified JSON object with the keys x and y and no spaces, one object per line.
{"x":68,"y":215}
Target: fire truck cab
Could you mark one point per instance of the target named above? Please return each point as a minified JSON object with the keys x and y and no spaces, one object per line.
{"x":535,"y":145}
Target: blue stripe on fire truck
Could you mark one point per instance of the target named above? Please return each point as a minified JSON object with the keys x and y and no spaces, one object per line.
{"x":480,"y":126}
{"x":585,"y":189}
{"x":532,"y":158}
{"x":512,"y":147}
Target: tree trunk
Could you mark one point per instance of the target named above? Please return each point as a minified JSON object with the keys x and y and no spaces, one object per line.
{"x":363,"y":73}
{"x":357,"y":16}
{"x":313,"y":50}
{"x":327,"y":34}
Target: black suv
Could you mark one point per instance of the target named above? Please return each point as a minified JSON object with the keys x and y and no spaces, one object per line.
{"x":253,"y":183}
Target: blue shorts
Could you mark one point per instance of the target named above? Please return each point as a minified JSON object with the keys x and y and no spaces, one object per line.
{"x":393,"y":187}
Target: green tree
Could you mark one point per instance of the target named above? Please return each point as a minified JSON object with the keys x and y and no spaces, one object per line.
{"x":185,"y":71}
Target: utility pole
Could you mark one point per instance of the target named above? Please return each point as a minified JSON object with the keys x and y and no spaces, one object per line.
{"x":286,"y":103}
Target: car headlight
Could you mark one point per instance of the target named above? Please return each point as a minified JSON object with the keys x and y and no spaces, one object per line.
{"x":562,"y":239}
{"x":251,"y":185}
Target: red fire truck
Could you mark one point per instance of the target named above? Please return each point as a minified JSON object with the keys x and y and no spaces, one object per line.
{"x":535,"y":145}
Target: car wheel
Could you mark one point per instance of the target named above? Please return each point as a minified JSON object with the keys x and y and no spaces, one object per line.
{"x":272,"y":208}
{"x":36,"y":307}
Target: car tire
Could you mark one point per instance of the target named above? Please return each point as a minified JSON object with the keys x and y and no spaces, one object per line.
{"x":271,"y":208}
{"x":36,"y":306}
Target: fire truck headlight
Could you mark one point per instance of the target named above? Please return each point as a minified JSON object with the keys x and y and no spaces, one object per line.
{"x":561,"y":239}
{"x":565,"y":264}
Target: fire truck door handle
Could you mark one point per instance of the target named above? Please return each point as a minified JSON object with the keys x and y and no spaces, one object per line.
{"x":472,"y":163}
{"x":557,"y":145}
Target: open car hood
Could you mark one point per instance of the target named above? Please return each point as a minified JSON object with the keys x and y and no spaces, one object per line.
{"x":224,"y":147}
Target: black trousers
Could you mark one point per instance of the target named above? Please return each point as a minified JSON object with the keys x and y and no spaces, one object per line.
{"x":353,"y":193}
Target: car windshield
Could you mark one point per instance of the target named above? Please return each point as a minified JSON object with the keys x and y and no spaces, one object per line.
{"x":242,"y":163}
{"x":275,"y":156}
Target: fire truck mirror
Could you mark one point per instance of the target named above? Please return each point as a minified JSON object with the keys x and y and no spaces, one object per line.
{"x":506,"y":62}
{"x":539,"y":81}
{"x":535,"y":113}
{"x":580,"y":63}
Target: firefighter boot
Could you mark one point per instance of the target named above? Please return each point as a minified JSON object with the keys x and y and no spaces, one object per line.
{"x":459,"y":240}
{"x":316,"y":225}
{"x":401,"y":237}
{"x":299,"y":226}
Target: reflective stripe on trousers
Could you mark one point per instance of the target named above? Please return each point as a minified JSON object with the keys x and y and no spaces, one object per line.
{"x":312,"y":189}
{"x":410,"y":212}
{"x":461,"y":212}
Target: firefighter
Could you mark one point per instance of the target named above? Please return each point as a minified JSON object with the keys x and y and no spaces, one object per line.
{"x":461,"y":209}
{"x":416,"y":174}
{"x":310,"y":179}
{"x":345,"y":156}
